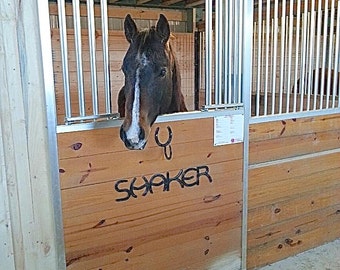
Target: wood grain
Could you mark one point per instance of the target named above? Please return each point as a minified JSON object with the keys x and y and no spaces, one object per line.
{"x":175,"y":229}
{"x":294,"y":191}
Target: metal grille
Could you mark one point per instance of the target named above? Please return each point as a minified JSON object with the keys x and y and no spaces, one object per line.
{"x":222,"y":55}
{"x":295,"y":57}
{"x":107,"y":111}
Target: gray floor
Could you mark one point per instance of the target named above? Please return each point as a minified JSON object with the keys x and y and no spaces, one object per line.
{"x":326,"y":257}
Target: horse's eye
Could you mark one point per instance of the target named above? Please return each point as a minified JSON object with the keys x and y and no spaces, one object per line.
{"x":162,"y":73}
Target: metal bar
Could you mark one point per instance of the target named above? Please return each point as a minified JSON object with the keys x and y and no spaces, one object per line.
{"x":47,"y":70}
{"x":230,"y":50}
{"x":92,"y":117}
{"x":226,"y":55}
{"x":276,"y":8}
{"x":240,"y":54}
{"x":106,"y":60}
{"x":223,"y":106}
{"x":259,"y":55}
{"x":297,"y":44}
{"x":255,"y":36}
{"x":267,"y":58}
{"x":290,"y":45}
{"x":330,"y":52}
{"x":218,"y":48}
{"x":325,"y":20}
{"x":336,"y":58}
{"x":282,"y":55}
{"x":64,"y":59}
{"x":235,"y":51}
{"x":78,"y":50}
{"x":202,"y":61}
{"x":318,"y":44}
{"x":92,"y":47}
{"x":310,"y":54}
{"x":303,"y":56}
{"x":247,"y":50}
{"x":208,"y":51}
{"x":197,"y":73}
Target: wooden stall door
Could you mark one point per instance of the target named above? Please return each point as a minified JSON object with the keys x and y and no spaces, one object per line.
{"x":294,"y":189}
{"x":137,"y":210}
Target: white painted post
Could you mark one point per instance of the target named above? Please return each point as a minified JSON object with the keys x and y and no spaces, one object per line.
{"x":28,"y":237}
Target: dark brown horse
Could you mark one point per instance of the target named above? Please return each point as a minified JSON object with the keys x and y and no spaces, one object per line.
{"x":321,"y":84}
{"x":152,"y":81}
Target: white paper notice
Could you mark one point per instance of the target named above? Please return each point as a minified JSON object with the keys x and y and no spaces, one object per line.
{"x":228,"y":129}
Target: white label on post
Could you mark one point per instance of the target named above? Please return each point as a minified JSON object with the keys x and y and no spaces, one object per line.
{"x":228,"y":129}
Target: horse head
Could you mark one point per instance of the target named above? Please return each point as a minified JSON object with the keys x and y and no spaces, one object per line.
{"x":152,"y":81}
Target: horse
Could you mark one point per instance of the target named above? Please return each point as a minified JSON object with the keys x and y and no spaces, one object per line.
{"x":321,"y":88}
{"x":152,"y":81}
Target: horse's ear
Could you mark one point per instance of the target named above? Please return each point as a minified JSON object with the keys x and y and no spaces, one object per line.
{"x":130,"y":28}
{"x":163,"y":28}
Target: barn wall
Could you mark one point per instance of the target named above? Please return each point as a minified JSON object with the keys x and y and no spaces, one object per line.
{"x":294,"y":188}
{"x":28,"y":237}
{"x":197,"y":226}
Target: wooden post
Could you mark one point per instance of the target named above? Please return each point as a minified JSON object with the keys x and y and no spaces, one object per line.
{"x":27,"y":227}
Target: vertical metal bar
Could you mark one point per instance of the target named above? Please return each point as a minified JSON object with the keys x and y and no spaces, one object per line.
{"x":246,"y":86}
{"x":92,"y":47}
{"x":311,"y":53}
{"x":330,"y":52}
{"x":276,"y":8}
{"x":197,"y":56}
{"x":336,"y":59}
{"x":254,"y":82}
{"x":325,"y":24}
{"x":226,"y":55}
{"x":259,"y":55}
{"x":46,"y":49}
{"x":218,"y":48}
{"x":230,"y":50}
{"x":290,"y":43}
{"x":106,"y":61}
{"x":267,"y":58}
{"x":235,"y":51}
{"x":78,"y":50}
{"x":297,"y":45}
{"x":282,"y":55}
{"x":303,"y":56}
{"x":202,"y":63}
{"x":240,"y":54}
{"x":64,"y":59}
{"x":318,"y":43}
{"x":208,"y":51}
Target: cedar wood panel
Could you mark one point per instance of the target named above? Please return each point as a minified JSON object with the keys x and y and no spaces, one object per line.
{"x":294,"y":187}
{"x":194,"y":227}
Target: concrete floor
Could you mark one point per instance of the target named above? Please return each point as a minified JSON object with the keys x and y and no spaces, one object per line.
{"x":325,"y":257}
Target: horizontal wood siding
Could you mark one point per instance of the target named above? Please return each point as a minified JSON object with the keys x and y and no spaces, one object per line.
{"x":294,"y":187}
{"x":190,"y":227}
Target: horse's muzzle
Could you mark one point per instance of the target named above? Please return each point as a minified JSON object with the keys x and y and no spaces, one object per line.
{"x":135,"y":143}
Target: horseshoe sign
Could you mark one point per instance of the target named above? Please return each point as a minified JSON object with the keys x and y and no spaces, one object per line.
{"x":166,"y":145}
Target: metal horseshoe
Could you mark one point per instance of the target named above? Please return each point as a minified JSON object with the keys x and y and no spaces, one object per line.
{"x":165,"y":145}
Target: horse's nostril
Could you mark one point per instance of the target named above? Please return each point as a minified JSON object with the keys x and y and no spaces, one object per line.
{"x":141,"y":134}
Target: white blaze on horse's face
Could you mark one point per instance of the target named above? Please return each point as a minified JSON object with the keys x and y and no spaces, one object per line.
{"x":152,"y":81}
{"x":134,"y":131}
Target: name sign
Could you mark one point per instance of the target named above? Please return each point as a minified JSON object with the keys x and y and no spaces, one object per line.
{"x":185,"y":178}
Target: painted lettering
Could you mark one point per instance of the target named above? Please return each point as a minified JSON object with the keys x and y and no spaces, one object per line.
{"x":189,"y":177}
